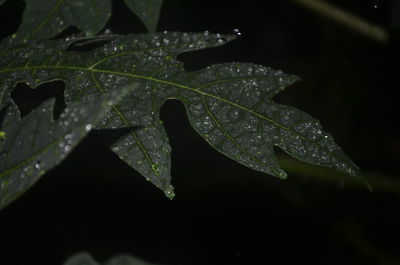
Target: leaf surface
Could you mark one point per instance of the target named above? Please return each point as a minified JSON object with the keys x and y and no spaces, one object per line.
{"x":37,"y":143}
{"x":81,"y":259}
{"x":229,"y":105}
{"x":147,"y":10}
{"x":44,"y":19}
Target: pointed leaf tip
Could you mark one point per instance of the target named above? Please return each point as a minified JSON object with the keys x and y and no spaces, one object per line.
{"x":365,"y":181}
{"x":169,"y":192}
{"x":148,"y":11}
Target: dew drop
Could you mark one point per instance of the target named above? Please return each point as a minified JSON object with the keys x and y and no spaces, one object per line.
{"x":237,"y":32}
{"x":37,"y":165}
{"x":88,"y":127}
{"x":169,"y":192}
{"x":67,"y":148}
{"x":221,"y":41}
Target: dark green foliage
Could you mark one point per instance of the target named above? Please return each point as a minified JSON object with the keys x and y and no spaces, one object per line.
{"x":229,"y":105}
{"x":86,"y":259}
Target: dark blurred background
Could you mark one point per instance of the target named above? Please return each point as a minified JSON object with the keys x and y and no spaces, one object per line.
{"x":225,"y":213}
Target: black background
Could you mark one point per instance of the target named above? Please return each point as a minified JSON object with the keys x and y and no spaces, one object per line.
{"x":225,"y":213}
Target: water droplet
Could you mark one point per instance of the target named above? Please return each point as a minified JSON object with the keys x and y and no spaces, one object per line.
{"x":37,"y":165}
{"x":221,"y":41}
{"x":351,"y":172}
{"x":237,"y":32}
{"x":67,"y":148}
{"x":169,"y":192}
{"x":88,"y":127}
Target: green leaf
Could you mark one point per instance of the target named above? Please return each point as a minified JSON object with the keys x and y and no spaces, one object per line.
{"x":87,"y":259}
{"x":37,"y":143}
{"x":229,"y":105}
{"x":147,"y":10}
{"x":127,"y":260}
{"x":81,"y":259}
{"x":44,"y":19}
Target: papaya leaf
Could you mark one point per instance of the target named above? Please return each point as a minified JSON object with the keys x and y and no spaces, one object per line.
{"x":37,"y":143}
{"x":229,"y":105}
{"x":148,"y":11}
{"x":127,"y":260}
{"x":86,"y":259}
{"x":81,"y":259}
{"x":44,"y":19}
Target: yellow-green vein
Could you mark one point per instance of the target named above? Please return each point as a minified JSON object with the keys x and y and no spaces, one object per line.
{"x":233,"y":139}
{"x":51,"y":13}
{"x":127,"y":124}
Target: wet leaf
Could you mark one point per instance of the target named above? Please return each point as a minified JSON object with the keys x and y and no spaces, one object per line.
{"x":229,"y":105}
{"x":87,"y":259}
{"x":233,"y":110}
{"x":126,"y":260}
{"x":44,"y":19}
{"x":147,"y":10}
{"x":81,"y":259}
{"x":37,"y":143}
